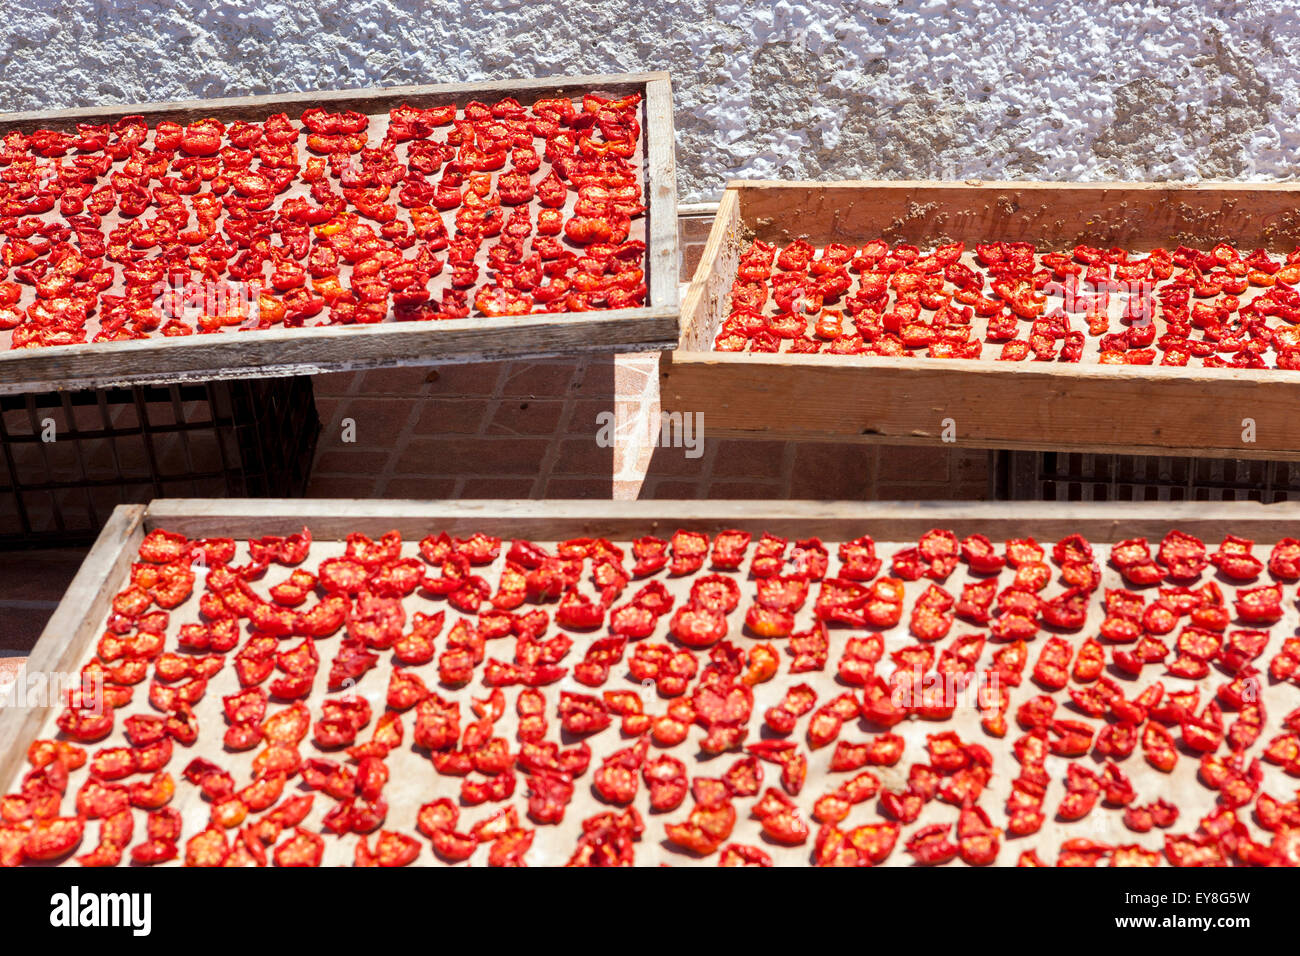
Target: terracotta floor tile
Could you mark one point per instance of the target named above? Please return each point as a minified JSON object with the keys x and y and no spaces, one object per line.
{"x":674,"y":463}
{"x":407,"y":381}
{"x":420,"y":489}
{"x":11,"y":663}
{"x":538,"y":380}
{"x":744,"y":490}
{"x":478,"y":379}
{"x":598,"y":376}
{"x":343,"y":486}
{"x":526,"y":417}
{"x":583,"y":456}
{"x":478,"y":486}
{"x":333,"y":384}
{"x":378,"y":421}
{"x":472,"y":456}
{"x":685,"y":490}
{"x":579,"y":488}
{"x":346,"y":461}
{"x":448,"y":416}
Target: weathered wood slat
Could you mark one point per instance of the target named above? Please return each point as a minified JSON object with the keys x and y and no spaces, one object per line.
{"x":902,"y":520}
{"x":1057,"y":215}
{"x":661,"y":194}
{"x":69,"y":636}
{"x":309,"y":351}
{"x":707,"y":295}
{"x":1157,"y":411}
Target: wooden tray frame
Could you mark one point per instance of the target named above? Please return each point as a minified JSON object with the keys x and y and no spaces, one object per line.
{"x":74,"y":626}
{"x":309,"y":351}
{"x":991,"y":404}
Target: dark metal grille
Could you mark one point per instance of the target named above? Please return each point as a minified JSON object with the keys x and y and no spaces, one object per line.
{"x":253,"y":438}
{"x":1073,"y":476}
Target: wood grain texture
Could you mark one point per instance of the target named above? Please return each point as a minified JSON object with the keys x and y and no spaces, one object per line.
{"x":661,"y":190}
{"x":1134,"y":215}
{"x":1159,"y":411}
{"x":330,"y":349}
{"x":332,"y":519}
{"x":705,"y":299}
{"x":992,"y":404}
{"x":311,"y":350}
{"x":74,"y":627}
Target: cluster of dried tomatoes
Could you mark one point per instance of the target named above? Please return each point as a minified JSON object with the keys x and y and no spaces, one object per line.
{"x":1173,"y":624}
{"x":125,"y":230}
{"x":1177,"y":308}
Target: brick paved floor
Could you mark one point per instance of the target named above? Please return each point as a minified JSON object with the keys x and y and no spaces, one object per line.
{"x":533,"y":430}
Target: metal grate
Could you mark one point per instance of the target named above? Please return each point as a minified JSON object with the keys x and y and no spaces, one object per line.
{"x":1072,"y":476}
{"x":69,"y":458}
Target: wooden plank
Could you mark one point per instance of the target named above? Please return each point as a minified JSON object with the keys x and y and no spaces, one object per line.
{"x":661,"y":191}
{"x":67,"y":640}
{"x":988,"y":404}
{"x":310,"y":350}
{"x":707,"y":295}
{"x":1160,"y":411}
{"x":332,"y":519}
{"x":1057,"y":215}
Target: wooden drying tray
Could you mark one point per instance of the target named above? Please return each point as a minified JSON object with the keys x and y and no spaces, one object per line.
{"x":69,"y":638}
{"x":991,"y":404}
{"x":312,"y":350}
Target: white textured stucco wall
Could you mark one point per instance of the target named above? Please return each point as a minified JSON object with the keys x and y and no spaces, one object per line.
{"x":817,"y":89}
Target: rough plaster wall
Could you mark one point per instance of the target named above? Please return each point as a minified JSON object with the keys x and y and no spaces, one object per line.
{"x":811,"y":89}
